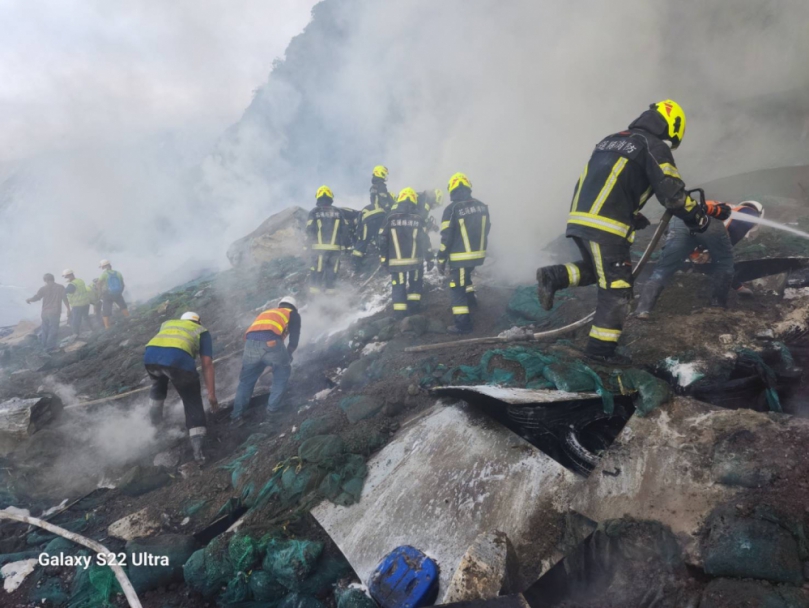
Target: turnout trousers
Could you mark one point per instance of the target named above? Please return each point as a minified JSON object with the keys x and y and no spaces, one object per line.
{"x":407,"y":288}
{"x":610,"y":267}
{"x":323,"y":275}
{"x":188,"y":387}
{"x":462,"y":296}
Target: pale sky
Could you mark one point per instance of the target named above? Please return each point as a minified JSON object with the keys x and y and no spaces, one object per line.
{"x":97,"y":71}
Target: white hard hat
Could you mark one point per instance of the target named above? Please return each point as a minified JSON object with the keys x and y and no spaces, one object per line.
{"x":67,"y":272}
{"x":754,"y":205}
{"x":190,"y":316}
{"x":103,"y":263}
{"x":289,"y":300}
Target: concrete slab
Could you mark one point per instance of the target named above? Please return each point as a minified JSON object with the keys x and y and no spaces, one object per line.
{"x":450,"y":475}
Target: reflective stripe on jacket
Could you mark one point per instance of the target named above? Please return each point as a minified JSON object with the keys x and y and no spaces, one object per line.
{"x":275,"y":320}
{"x":81,"y":295}
{"x":465,"y":229}
{"x":179,"y":334}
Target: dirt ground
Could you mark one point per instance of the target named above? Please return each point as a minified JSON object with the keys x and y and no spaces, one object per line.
{"x":109,"y":364}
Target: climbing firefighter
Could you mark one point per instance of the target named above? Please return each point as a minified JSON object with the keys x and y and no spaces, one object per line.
{"x":171,"y":356}
{"x":327,"y":231}
{"x":713,"y":246}
{"x":79,"y":296}
{"x":465,"y":227}
{"x":625,"y":169}
{"x":264,"y":347}
{"x":372,"y":218}
{"x":404,"y":246}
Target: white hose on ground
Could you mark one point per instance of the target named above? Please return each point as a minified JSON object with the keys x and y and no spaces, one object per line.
{"x":123,"y":580}
{"x":552,"y":333}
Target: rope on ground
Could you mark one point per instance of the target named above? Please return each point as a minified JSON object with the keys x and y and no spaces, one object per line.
{"x":123,"y":580}
{"x":553,"y":333}
{"x":135,"y":391}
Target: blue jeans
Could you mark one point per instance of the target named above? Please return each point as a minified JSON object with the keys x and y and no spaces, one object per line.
{"x":680,"y":243}
{"x":49,"y":331}
{"x":256,"y":358}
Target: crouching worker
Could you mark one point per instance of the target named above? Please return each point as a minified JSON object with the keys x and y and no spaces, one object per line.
{"x":404,"y":245}
{"x":264,"y":347}
{"x":171,"y":355}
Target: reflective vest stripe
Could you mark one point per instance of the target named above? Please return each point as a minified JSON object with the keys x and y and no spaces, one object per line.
{"x":599,"y":222}
{"x":609,"y":185}
{"x":465,"y":235}
{"x":275,"y":319}
{"x":595,"y":248}
{"x":403,"y":261}
{"x":395,"y":236}
{"x":463,"y":256}
{"x":179,"y":334}
{"x":582,"y":177}
{"x":415,"y":242}
{"x":334,"y":232}
{"x":483,"y":233}
{"x":80,"y":297}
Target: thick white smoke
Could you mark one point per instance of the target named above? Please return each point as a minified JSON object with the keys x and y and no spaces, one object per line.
{"x":513,"y":93}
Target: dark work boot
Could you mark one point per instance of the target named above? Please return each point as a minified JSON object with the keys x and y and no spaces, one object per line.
{"x":721,"y":290}
{"x":648,"y":298}
{"x":549,"y":280}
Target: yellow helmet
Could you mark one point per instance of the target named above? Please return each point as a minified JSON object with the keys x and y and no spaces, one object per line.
{"x":408,"y":194}
{"x":459,"y":179}
{"x":439,"y":197}
{"x":381,"y":171}
{"x":324,"y":191}
{"x":674,"y":116}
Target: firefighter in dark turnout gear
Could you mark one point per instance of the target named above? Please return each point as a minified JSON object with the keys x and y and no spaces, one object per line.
{"x":372,"y":217}
{"x":404,"y":246}
{"x":326,"y":230}
{"x":352,"y":218}
{"x":624,"y":171}
{"x":427,"y":200}
{"x":465,"y":229}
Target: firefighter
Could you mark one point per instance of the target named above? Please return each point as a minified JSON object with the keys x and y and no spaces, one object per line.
{"x":327,"y":231}
{"x":623,"y":172}
{"x":465,"y":229}
{"x":372,"y":218}
{"x":427,"y":201}
{"x":714,"y":246}
{"x":404,"y":246}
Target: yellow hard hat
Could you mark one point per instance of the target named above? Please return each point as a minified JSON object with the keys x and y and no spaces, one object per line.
{"x":324,"y":191}
{"x":439,"y":197}
{"x":674,"y":116}
{"x":381,"y":171}
{"x":459,"y":179}
{"x":408,"y":194}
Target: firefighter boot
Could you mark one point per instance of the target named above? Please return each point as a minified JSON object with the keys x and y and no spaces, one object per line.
{"x":549,"y":280}
{"x":648,"y":299}
{"x":156,"y":411}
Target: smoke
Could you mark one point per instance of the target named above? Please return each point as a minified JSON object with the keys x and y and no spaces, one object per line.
{"x":515,"y":94}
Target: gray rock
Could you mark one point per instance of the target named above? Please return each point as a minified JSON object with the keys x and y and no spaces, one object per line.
{"x":142,"y":479}
{"x":278,"y":236}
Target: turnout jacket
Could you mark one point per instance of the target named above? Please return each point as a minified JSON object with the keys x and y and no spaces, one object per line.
{"x":465,"y":229}
{"x":327,"y":229}
{"x":370,"y":222}
{"x":403,"y":240}
{"x":623,"y":172}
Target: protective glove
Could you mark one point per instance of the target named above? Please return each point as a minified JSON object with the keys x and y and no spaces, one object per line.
{"x":641,"y":222}
{"x":699,"y":224}
{"x":720,"y":211}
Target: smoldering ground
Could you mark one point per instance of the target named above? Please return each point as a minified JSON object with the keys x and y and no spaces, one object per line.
{"x":515,"y":94}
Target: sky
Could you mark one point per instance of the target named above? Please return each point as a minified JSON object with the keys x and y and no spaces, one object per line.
{"x":75,"y":72}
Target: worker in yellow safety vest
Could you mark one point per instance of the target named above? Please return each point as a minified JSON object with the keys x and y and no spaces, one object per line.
{"x":78,"y":295}
{"x":171,"y":356}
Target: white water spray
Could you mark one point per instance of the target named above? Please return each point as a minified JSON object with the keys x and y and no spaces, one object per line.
{"x":752,"y":219}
